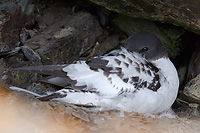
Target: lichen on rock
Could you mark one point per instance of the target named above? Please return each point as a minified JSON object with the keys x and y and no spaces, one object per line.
{"x":192,"y":90}
{"x":178,"y":12}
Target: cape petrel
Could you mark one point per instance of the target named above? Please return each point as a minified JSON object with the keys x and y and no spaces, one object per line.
{"x":137,"y":78}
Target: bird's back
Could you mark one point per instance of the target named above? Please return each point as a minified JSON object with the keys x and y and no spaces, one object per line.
{"x":114,"y":75}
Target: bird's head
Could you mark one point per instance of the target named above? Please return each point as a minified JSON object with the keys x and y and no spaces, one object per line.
{"x":146,"y":44}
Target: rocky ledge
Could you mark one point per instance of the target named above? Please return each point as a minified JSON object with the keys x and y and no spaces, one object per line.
{"x":178,"y":12}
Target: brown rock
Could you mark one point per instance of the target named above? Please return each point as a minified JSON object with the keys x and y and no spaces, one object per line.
{"x":66,"y":40}
{"x":194,"y":66}
{"x":178,"y":12}
{"x":13,"y":16}
{"x":53,"y":14}
{"x":108,"y":44}
{"x":192,"y":90}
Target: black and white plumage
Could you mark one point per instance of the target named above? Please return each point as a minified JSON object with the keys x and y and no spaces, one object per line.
{"x":139,"y":77}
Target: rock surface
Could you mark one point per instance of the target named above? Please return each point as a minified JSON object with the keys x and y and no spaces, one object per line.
{"x":14,"y":15}
{"x":178,"y":12}
{"x":66,"y":40}
{"x":194,"y":65}
{"x":106,"y":45}
{"x":192,"y":90}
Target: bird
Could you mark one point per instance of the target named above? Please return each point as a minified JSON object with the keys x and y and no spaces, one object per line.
{"x":138,"y":77}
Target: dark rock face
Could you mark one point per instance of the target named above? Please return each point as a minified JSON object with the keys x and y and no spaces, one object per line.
{"x":108,"y":44}
{"x":14,"y":16}
{"x":192,"y":90}
{"x":66,"y":40}
{"x":53,"y":14}
{"x":178,"y":12}
{"x":194,"y":66}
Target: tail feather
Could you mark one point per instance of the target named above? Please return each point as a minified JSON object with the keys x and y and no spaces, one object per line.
{"x":54,"y":70}
{"x":26,"y":91}
{"x":58,"y":81}
{"x":68,"y":96}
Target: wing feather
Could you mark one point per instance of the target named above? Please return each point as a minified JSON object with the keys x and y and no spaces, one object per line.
{"x":112,"y":75}
{"x":54,"y":70}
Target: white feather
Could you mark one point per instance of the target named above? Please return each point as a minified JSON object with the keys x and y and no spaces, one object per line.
{"x":23,"y":90}
{"x":142,"y":101}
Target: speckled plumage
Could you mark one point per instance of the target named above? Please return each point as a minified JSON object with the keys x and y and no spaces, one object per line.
{"x":126,"y":79}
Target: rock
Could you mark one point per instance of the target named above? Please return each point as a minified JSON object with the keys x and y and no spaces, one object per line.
{"x":194,"y":65}
{"x":169,"y":35}
{"x":24,"y":35}
{"x":26,"y":6}
{"x":178,"y":12}
{"x":20,"y":79}
{"x":108,"y":44}
{"x":81,"y":115}
{"x":15,"y":16}
{"x":30,"y":54}
{"x":192,"y":90}
{"x":27,"y":51}
{"x":14,"y":78}
{"x":66,"y":40}
{"x":188,"y":111}
{"x":3,"y":19}
{"x":51,"y":15}
{"x":182,"y":74}
{"x":3,"y":71}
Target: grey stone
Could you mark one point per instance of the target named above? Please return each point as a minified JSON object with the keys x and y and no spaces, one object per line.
{"x":30,"y":54}
{"x":3,"y":71}
{"x":178,"y":12}
{"x":66,"y":40}
{"x":20,"y":79}
{"x":108,"y":44}
{"x":15,"y":14}
{"x":182,"y":74}
{"x":51,"y":15}
{"x":194,"y":65}
{"x":192,"y":90}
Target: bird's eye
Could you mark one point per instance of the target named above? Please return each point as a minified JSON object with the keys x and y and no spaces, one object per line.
{"x":145,"y":49}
